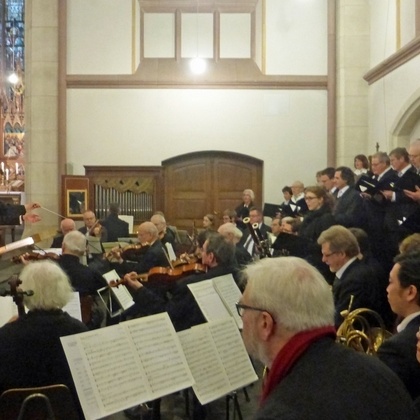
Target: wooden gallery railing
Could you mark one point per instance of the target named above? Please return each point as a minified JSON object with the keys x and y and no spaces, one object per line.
{"x":138,"y":190}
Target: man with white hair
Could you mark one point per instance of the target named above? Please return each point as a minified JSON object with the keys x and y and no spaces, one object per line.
{"x":31,"y":352}
{"x":233,"y":234}
{"x":66,"y":226}
{"x":288,"y":324}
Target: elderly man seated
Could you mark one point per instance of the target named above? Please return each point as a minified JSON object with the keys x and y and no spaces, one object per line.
{"x":288,"y":323}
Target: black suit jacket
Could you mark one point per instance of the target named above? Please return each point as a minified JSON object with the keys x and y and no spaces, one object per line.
{"x":264,"y":229}
{"x":348,"y":210}
{"x":57,"y":241}
{"x":399,"y":353}
{"x":115,"y":227}
{"x":360,"y":281}
{"x":10,"y":213}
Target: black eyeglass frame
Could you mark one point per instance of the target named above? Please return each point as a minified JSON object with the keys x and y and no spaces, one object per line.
{"x":241,"y":307}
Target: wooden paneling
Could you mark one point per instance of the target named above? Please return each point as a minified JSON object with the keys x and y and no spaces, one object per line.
{"x":208,"y":182}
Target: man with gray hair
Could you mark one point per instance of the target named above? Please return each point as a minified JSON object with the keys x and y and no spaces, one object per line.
{"x":84,"y":279}
{"x":353,"y":277}
{"x":288,"y":317}
{"x":66,"y":226}
{"x":31,"y":352}
{"x":233,"y":235}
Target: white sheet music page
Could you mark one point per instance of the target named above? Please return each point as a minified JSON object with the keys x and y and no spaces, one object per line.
{"x":230,"y":294}
{"x":211,"y":381}
{"x":161,"y":354}
{"x":8,"y":309}
{"x":232,"y":352}
{"x":121,"y":292}
{"x":208,"y":300}
{"x":113,"y":372}
{"x":73,"y":307}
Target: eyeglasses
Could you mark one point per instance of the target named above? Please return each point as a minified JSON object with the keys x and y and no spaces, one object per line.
{"x":329,"y":255}
{"x":241,"y":308}
{"x":307,"y":198}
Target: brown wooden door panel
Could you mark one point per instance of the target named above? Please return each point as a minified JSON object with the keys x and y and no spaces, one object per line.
{"x":207,"y":182}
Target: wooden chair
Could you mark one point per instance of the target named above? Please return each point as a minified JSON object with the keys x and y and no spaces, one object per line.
{"x":53,"y":402}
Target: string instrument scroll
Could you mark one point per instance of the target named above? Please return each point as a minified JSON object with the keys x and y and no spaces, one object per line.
{"x":17,"y":293}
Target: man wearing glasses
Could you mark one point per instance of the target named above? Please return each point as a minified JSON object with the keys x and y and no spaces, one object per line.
{"x":288,"y":317}
{"x":353,"y":277}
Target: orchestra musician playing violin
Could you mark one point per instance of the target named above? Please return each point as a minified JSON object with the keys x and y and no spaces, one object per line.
{"x":166,"y":235}
{"x":92,"y":226}
{"x":217,"y":255}
{"x":84,"y":279}
{"x":151,"y":252}
{"x":31,"y":353}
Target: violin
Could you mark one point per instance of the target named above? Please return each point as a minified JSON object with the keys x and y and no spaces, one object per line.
{"x":164,"y":275}
{"x":35,"y":256}
{"x":95,"y":230}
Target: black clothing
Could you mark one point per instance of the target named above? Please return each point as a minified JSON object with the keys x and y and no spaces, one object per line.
{"x":330,"y":381}
{"x":348,"y":209}
{"x":10,"y":213}
{"x":242,"y":211}
{"x":399,"y":353}
{"x":57,"y":241}
{"x":31,"y":353}
{"x":115,"y":227}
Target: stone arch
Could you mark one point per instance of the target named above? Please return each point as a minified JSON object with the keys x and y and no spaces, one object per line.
{"x":406,"y":121}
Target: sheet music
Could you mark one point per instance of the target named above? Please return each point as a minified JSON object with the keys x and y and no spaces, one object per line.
{"x":121,"y":292}
{"x":232,"y":351}
{"x":73,"y":307}
{"x":171,"y":252}
{"x":217,"y":358}
{"x":8,"y":309}
{"x":210,"y":379}
{"x":230,"y":294}
{"x":113,"y":369}
{"x":208,"y":300}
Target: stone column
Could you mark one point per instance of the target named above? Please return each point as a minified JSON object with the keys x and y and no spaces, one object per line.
{"x":41,"y":111}
{"x":353,"y":45}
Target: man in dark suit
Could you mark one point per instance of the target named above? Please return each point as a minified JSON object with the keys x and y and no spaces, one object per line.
{"x":399,"y":351}
{"x":115,"y":227}
{"x":255,"y":216}
{"x":375,"y":204}
{"x":92,"y":226}
{"x":15,"y":214}
{"x":309,"y":374}
{"x":352,"y":276}
{"x":83,"y":279}
{"x":66,"y":226}
{"x":348,"y":210}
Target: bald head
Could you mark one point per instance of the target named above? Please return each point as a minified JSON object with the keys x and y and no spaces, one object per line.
{"x":67,"y":225}
{"x":147,"y":233}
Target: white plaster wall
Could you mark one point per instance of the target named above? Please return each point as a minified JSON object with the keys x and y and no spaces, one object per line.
{"x":382,"y":30}
{"x":235,"y":35}
{"x":296,"y":34}
{"x":387,"y":97}
{"x":197,"y":35}
{"x":159,"y":35}
{"x":287,"y":129}
{"x":97,"y":42}
{"x":408,"y":17}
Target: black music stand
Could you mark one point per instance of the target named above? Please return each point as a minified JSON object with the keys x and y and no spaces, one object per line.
{"x":233,"y":396}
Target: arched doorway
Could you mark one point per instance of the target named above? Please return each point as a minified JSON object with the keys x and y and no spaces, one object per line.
{"x":208,"y":182}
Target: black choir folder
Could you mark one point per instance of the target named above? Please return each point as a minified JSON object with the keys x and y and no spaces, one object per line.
{"x":118,"y":367}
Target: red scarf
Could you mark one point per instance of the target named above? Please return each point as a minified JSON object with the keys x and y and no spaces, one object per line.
{"x":289,"y":354}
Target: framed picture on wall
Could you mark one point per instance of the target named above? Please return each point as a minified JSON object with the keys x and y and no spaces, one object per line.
{"x":75,"y":196}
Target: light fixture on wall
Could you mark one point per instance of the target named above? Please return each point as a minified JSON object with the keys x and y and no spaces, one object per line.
{"x":197,"y":64}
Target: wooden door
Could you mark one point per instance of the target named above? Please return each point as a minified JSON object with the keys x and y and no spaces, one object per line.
{"x":208,"y":182}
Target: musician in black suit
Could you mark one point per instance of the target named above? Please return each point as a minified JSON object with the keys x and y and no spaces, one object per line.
{"x":297,"y":202}
{"x":66,"y":226}
{"x":153,"y":256}
{"x":399,"y":351}
{"x":352,"y":276}
{"x":92,"y":226}
{"x":242,"y":210}
{"x":255,"y":216}
{"x":115,"y":227}
{"x":348,"y":208}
